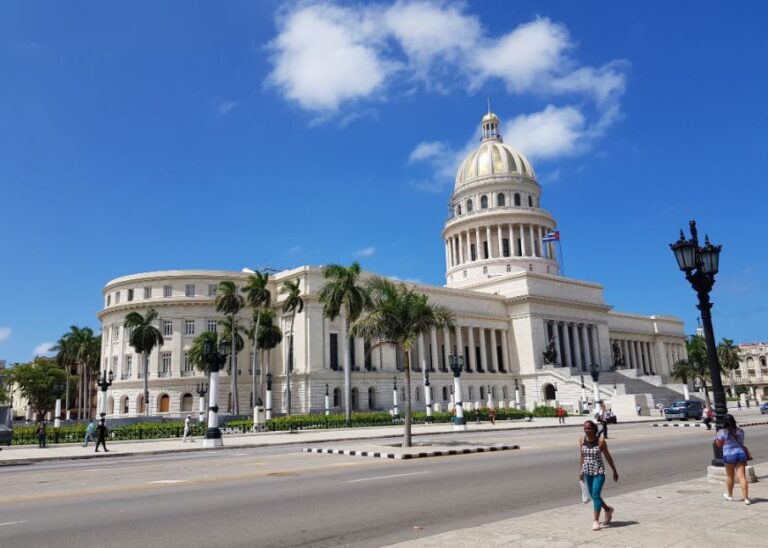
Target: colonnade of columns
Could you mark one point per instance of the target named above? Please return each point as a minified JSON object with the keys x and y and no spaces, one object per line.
{"x":637,"y":355}
{"x":497,"y":241}
{"x":674,"y":353}
{"x":577,"y":344}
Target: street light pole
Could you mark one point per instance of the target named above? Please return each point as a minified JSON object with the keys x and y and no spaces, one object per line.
{"x":327,"y":402}
{"x":268,"y":414}
{"x":104,"y":382}
{"x":215,"y":358}
{"x":700,"y":265}
{"x":456,"y":363}
{"x":202,"y":390}
{"x":428,"y":396}
{"x":395,"y":411}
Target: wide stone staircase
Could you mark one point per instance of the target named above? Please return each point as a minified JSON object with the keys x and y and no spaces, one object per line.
{"x":654,"y":385}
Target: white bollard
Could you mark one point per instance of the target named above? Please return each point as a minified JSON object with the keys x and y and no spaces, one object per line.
{"x":57,"y":420}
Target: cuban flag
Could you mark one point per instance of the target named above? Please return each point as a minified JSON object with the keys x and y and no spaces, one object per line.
{"x":552,"y":236}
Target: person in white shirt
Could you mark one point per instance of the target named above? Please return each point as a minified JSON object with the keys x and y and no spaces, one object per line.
{"x":187,"y":429}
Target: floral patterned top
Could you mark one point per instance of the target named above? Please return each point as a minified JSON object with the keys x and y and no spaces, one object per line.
{"x":593,"y":458}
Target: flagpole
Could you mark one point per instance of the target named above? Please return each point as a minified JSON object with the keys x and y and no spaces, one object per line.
{"x":562,"y":262}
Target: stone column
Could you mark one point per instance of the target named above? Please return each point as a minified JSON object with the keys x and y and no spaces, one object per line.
{"x":505,"y":351}
{"x":512,"y":242}
{"x":588,"y":353}
{"x":500,"y":237}
{"x":649,"y":354}
{"x":471,"y":359}
{"x":533,"y":240}
{"x":494,"y":352}
{"x":596,"y":344}
{"x":577,"y":346}
{"x":477,"y":244}
{"x":483,"y":349}
{"x":623,"y":346}
{"x":555,"y":334}
{"x":567,"y":359}
{"x":447,"y":343}
{"x":461,"y":248}
{"x":434,"y":353}
{"x":460,"y":343}
{"x":522,"y":240}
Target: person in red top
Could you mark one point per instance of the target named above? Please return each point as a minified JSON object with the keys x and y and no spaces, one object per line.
{"x":560,"y":414}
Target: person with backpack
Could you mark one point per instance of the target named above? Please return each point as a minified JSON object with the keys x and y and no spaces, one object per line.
{"x":101,"y":433}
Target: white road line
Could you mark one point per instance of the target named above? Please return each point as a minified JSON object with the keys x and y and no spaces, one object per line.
{"x":168,"y":481}
{"x":388,"y":477}
{"x":12,"y":522}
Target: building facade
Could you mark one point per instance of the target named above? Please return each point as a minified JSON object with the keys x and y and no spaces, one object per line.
{"x":753,"y":369}
{"x":528,"y":334}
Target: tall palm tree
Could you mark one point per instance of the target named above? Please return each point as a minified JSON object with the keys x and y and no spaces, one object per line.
{"x":683,"y":371}
{"x":258,"y":297}
{"x":229,"y":302}
{"x":268,"y":337}
{"x":79,"y":347}
{"x":231,"y":333}
{"x":342,"y":290}
{"x":729,"y":360}
{"x":398,"y":315}
{"x":144,"y":337}
{"x":294,"y":304}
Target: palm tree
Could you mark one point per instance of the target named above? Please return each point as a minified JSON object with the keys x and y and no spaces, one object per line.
{"x":229,"y":332}
{"x":729,"y":360}
{"x":294,"y":304}
{"x":399,"y":315}
{"x":144,"y":337}
{"x":269,"y":336}
{"x":79,"y":347}
{"x":683,"y":371}
{"x":195,"y":353}
{"x":258,"y":297}
{"x":230,"y":302}
{"x":342,"y":290}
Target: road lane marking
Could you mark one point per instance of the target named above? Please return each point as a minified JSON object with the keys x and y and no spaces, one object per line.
{"x":389,"y":477}
{"x":168,"y":481}
{"x":13,"y":522}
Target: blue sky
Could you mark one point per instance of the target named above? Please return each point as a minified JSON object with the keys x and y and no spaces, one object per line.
{"x":174,"y":135}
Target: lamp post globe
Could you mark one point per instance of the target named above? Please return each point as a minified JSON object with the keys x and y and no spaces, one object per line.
{"x":700,"y":264}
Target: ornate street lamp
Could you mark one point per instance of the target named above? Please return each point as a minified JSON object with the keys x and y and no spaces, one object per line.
{"x":428,"y":397}
{"x":268,"y":412}
{"x":456,"y":363}
{"x":104,"y":382}
{"x":202,"y":390}
{"x":700,"y":265}
{"x":395,"y":410}
{"x":517,"y":395}
{"x":215,"y":358}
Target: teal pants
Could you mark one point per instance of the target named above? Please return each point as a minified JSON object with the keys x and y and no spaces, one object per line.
{"x":595,"y":486}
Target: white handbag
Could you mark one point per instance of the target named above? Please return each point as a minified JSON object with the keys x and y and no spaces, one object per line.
{"x":585,"y":498}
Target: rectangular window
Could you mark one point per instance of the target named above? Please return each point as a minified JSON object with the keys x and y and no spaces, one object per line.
{"x":485,"y":249}
{"x":189,"y":327}
{"x":368,"y":357}
{"x":213,"y":289}
{"x":188,"y":370}
{"x":115,"y":333}
{"x":189,"y":290}
{"x":114,"y":364}
{"x":212,"y":325}
{"x":130,"y":294}
{"x":167,"y":328}
{"x":505,"y":247}
{"x":472,"y":252}
{"x":165,"y":364}
{"x":167,"y":291}
{"x":109,"y":300}
{"x":334,"y":344}
{"x":352,"y":360}
{"x":147,"y":292}
{"x":117,"y":297}
{"x":127,"y":369}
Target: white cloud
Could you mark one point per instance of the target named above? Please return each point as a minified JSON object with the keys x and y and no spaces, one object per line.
{"x":365,"y":252}
{"x":427,"y":150}
{"x":324,"y":55}
{"x":552,"y":132}
{"x":224,"y":106}
{"x":43,"y":349}
{"x":5,"y":333}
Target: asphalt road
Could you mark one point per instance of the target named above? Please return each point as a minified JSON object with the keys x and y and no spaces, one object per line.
{"x":270,"y":497}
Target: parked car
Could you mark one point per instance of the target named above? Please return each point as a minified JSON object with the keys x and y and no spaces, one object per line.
{"x":764,"y":408}
{"x":684,"y":410}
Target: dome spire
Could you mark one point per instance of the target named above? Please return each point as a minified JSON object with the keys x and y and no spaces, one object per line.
{"x":490,"y":125}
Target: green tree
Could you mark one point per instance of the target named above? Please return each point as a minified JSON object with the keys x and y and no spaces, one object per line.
{"x":80,"y":348}
{"x":195,"y":352}
{"x":258,"y":297}
{"x":343,"y":291}
{"x":269,"y":336}
{"x":398,"y":315}
{"x":728,"y":354}
{"x":229,"y":302}
{"x":41,"y":381}
{"x":230,"y":332}
{"x":294,"y":304}
{"x":144,"y":337}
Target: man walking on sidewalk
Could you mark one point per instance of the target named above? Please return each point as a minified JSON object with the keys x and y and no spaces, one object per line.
{"x":89,"y":433}
{"x":101,"y":432}
{"x":42,"y":432}
{"x":560,"y":414}
{"x":187,"y":430}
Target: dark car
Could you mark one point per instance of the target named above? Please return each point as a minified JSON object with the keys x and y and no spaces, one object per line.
{"x":764,"y":408}
{"x":684,"y":410}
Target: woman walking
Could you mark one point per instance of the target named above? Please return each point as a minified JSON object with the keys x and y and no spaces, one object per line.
{"x":592,"y":450}
{"x":735,"y":457}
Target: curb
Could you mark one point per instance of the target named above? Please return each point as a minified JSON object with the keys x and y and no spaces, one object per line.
{"x":406,"y":456}
{"x":700,"y":425}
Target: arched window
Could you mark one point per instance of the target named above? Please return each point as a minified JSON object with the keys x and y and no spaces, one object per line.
{"x":517,"y":199}
{"x":484,"y":202}
{"x":355,"y":399}
{"x":371,"y":398}
{"x":458,"y":209}
{"x":469,"y":205}
{"x":186,"y":402}
{"x":549,"y":392}
{"x":530,"y":201}
{"x":164,"y":403}
{"x":762,"y":361}
{"x":336,"y":397}
{"x":140,"y":404}
{"x":124,"y":405}
{"x":445,"y":393}
{"x":110,"y":405}
{"x":500,"y":200}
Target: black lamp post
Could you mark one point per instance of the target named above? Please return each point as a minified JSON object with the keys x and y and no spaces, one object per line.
{"x":700,"y":265}
{"x":456,"y":363}
{"x":104,"y":382}
{"x":215,"y":358}
{"x":202,"y":390}
{"x":268,"y":409}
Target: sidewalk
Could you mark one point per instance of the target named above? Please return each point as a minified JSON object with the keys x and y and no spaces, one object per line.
{"x":685,"y":514}
{"x":28,"y":454}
